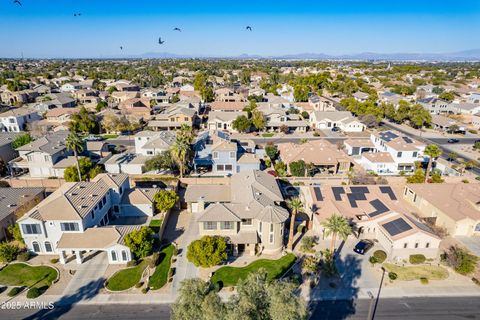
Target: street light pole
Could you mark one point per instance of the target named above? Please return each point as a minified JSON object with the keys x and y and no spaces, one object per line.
{"x":378,"y":294}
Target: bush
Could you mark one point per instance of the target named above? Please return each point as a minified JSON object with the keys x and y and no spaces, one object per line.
{"x":476,"y":281}
{"x":139,"y":284}
{"x":373,"y":260}
{"x":465,"y":181}
{"x":308,"y":242}
{"x":14,"y":291}
{"x":424,"y":280}
{"x":268,"y":163}
{"x":132,"y":263}
{"x":175,"y":252}
{"x":8,"y":252}
{"x":208,"y":251}
{"x":380,"y":255}
{"x":145,"y":290}
{"x":23,"y":256}
{"x":170,"y":273}
{"x":33,"y":293}
{"x":54,"y":260}
{"x":417,"y":259}
{"x":301,"y":228}
{"x":392,"y":275}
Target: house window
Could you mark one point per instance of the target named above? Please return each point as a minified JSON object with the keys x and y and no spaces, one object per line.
{"x":228,"y":167}
{"x":427,"y":245}
{"x":36,"y":246}
{"x":149,"y":152}
{"x":124,"y":255}
{"x":31,"y":229}
{"x":260,"y":227}
{"x":115,"y":209}
{"x":114,"y":256}
{"x":100,"y":205}
{"x":12,"y":120}
{"x":210,"y":225}
{"x":271,"y":227}
{"x":104,"y":200}
{"x":232,"y":154}
{"x":93,"y":215}
{"x":215,"y":155}
{"x":271,"y":237}
{"x":226,"y":225}
{"x":48,"y":246}
{"x":415,"y":153}
{"x":247,"y":222}
{"x":416,"y":245}
{"x":69,"y":226}
{"x":405,"y":245}
{"x":46,"y":158}
{"x":220,"y":167}
{"x":399,"y":154}
{"x":120,"y":190}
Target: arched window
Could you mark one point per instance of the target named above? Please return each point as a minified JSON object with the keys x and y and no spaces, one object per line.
{"x":114,"y":256}
{"x":124,"y":255}
{"x":36,"y":246}
{"x":48,"y":246}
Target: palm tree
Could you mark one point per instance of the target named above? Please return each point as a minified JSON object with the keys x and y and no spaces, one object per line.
{"x":432,"y":151}
{"x":180,"y":151}
{"x":295,"y":206}
{"x":74,"y":143}
{"x":336,"y":225}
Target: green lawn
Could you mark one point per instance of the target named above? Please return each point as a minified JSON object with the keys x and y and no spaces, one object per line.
{"x":110,"y":136}
{"x":268,"y":134}
{"x":19,"y":274}
{"x":126,"y":278}
{"x":229,"y":276}
{"x":160,"y":277}
{"x":156,"y":224}
{"x":416,"y":272}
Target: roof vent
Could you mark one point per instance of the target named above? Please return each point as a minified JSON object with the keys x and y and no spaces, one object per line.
{"x":11,"y":205}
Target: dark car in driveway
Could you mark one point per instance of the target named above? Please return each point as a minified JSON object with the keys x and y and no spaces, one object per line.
{"x":363,"y":246}
{"x":453,"y":140}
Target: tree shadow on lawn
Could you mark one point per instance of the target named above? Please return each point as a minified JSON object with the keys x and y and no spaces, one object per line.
{"x":335,"y":297}
{"x":66,"y":303}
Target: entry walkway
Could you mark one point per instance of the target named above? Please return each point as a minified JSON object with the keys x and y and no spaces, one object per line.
{"x":91,"y":271}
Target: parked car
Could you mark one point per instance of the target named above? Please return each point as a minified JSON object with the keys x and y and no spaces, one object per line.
{"x":94,"y":138}
{"x":453,"y":140}
{"x":363,"y":246}
{"x":335,"y":129}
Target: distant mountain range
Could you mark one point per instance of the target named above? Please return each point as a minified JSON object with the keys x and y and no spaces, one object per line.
{"x":468,"y":55}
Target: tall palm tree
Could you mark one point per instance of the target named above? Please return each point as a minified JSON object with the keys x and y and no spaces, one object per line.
{"x":180,"y":150}
{"x":295,"y":206}
{"x":432,"y":151}
{"x":74,"y":143}
{"x":336,"y":225}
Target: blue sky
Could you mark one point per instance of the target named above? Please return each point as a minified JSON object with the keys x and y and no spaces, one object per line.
{"x":48,"y":28}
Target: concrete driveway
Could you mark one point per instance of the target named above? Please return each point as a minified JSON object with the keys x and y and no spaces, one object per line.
{"x":90,"y":271}
{"x":472,"y":243}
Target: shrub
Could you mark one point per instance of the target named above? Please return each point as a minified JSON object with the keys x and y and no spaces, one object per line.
{"x":8,"y":251}
{"x":301,"y":228}
{"x":380,"y":255}
{"x":417,"y":259}
{"x":145,"y":290}
{"x":139,"y":284}
{"x":54,"y":260}
{"x":131,"y":263}
{"x":23,"y":256}
{"x":140,"y":242}
{"x":308,"y":242}
{"x":14,"y":291}
{"x":154,"y":260}
{"x":424,"y":280}
{"x":33,"y":293}
{"x":268,"y":163}
{"x":175,"y":252}
{"x":465,"y":181}
{"x":372,"y":259}
{"x":170,"y":273}
{"x":476,"y":281}
{"x":208,"y":251}
{"x":392,"y":275}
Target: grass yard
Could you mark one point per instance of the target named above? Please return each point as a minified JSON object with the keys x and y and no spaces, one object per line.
{"x":416,"y":272}
{"x":160,"y":277}
{"x":110,"y":136}
{"x":230,"y":276}
{"x":126,"y":278}
{"x":19,"y":274}
{"x":268,"y":134}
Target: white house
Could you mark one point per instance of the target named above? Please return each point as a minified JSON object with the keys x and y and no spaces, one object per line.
{"x":70,"y":87}
{"x":343,"y":120}
{"x":16,"y":120}
{"x":77,"y":218}
{"x":150,"y":143}
{"x":221,"y":120}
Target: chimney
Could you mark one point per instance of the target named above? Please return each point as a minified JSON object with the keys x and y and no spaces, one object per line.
{"x":201,"y":204}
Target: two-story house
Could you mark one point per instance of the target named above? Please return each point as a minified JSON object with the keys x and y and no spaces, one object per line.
{"x":150,"y":143}
{"x":16,"y":120}
{"x":216,"y":152}
{"x":392,"y":153}
{"x":172,"y":118}
{"x":79,"y":218}
{"x":248,"y":212}
{"x":436,"y":106}
{"x":40,"y":156}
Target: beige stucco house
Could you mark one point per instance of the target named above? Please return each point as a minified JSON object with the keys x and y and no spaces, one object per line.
{"x":453,"y":206}
{"x":248,"y":211}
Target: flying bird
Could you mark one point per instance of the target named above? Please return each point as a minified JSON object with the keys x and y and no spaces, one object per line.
{"x":77,"y":14}
{"x":160,"y":41}
{"x":121,"y":48}
{"x":177,"y":29}
{"x":18,"y":2}
{"x":249,"y":28}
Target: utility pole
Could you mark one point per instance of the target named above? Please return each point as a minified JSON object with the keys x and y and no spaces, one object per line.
{"x":370,"y":308}
{"x":378,"y":294}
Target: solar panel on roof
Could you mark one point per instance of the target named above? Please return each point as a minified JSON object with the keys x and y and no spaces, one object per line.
{"x":388,"y":135}
{"x":359,"y":189}
{"x":318,"y":193}
{"x":407,"y":140}
{"x":354,"y":197}
{"x":388,"y":190}
{"x":396,"y":226}
{"x":379,"y":206}
{"x":337,"y":192}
